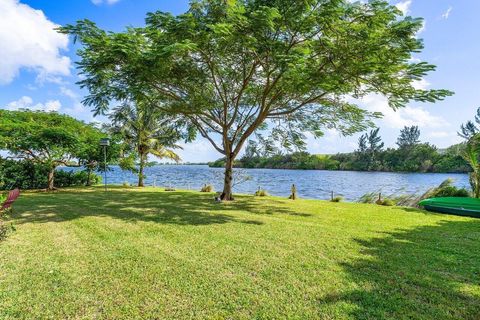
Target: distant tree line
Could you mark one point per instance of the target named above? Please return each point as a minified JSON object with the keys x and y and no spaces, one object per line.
{"x":410,"y":155}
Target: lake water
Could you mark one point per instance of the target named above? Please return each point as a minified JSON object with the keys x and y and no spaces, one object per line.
{"x":311,"y":184}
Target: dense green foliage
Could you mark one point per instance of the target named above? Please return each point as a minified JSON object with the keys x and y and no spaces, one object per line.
{"x":26,"y":175}
{"x":149,"y":254}
{"x":234,"y":68}
{"x":46,"y":138}
{"x":424,"y":158}
{"x":410,"y":156}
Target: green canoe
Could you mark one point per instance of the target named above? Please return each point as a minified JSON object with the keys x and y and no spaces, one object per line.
{"x":460,"y":206}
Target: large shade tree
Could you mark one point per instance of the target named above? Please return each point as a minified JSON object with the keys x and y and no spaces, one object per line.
{"x":144,"y":131}
{"x":235,"y":67}
{"x":47,"y":138}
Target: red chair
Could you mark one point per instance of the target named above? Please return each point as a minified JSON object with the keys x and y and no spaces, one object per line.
{"x":12,"y":196}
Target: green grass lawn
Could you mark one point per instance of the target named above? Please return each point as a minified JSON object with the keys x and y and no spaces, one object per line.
{"x":150,"y":254}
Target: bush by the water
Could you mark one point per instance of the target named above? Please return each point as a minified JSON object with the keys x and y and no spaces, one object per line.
{"x":27,"y":175}
{"x":445,"y":189}
{"x":337,"y":199}
{"x":69,"y":179}
{"x":387,"y":202}
{"x":261,"y":193}
{"x":207,"y":188}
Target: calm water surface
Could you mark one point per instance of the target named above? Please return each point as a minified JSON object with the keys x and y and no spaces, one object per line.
{"x":312,"y":184}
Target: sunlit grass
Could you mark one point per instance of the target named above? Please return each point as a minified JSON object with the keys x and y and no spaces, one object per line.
{"x":145,"y":253}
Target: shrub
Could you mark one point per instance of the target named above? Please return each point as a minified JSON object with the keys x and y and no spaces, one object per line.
{"x":337,"y":199}
{"x":370,"y":197}
{"x":126,"y":184}
{"x":261,"y":193}
{"x":70,"y":179}
{"x":27,"y":175}
{"x":388,"y":202}
{"x":22,"y":174}
{"x":207,"y":188}
{"x":451,"y":191}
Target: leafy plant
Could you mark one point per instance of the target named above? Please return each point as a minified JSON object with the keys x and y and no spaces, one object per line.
{"x":471,"y":154}
{"x":207,"y":188}
{"x":261,"y":193}
{"x":450,"y":191}
{"x":387,"y":202}
{"x":337,"y":199}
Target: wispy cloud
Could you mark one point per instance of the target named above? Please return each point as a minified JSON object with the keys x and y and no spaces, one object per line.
{"x":68,"y":93}
{"x":99,"y":2}
{"x":447,"y":13}
{"x":404,"y":6}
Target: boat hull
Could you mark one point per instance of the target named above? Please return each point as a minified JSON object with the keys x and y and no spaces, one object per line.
{"x":468,"y":207}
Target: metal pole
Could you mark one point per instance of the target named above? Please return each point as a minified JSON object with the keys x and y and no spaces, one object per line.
{"x":105,"y":165}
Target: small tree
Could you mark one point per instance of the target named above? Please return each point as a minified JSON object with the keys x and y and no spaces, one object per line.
{"x":369,"y":146}
{"x":233,"y":68}
{"x":50,"y":139}
{"x":409,"y":137}
{"x":146,"y":132}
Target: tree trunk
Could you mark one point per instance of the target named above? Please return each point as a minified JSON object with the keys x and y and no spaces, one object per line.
{"x":227,"y":194}
{"x":51,"y":178}
{"x":89,"y":176}
{"x":140,"y":171}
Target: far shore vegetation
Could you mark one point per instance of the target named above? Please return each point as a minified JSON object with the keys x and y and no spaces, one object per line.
{"x":410,"y":155}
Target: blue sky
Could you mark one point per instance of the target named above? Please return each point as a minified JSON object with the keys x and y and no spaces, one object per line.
{"x":37,"y":64}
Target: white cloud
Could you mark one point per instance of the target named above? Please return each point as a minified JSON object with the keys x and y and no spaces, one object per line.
{"x":447,"y":13}
{"x":421,"y":84}
{"x":404,"y":6}
{"x":99,"y":2}
{"x":199,"y":150}
{"x":26,"y":102}
{"x":68,"y":93}
{"x":407,"y":116}
{"x":29,"y":40}
{"x":438,"y":134}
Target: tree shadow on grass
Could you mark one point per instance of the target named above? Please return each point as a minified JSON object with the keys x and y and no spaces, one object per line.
{"x":430,"y":272}
{"x":163,"y":207}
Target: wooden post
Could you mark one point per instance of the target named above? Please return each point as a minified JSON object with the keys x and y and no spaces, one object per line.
{"x":293,"y":196}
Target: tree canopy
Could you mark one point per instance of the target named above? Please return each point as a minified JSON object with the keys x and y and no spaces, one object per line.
{"x":409,"y":136}
{"x":233,"y":68}
{"x":47,"y":138}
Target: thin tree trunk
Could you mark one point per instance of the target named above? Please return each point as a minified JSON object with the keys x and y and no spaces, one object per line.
{"x":89,"y":176}
{"x":227,"y":194}
{"x":51,"y":178}
{"x":140,"y":171}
